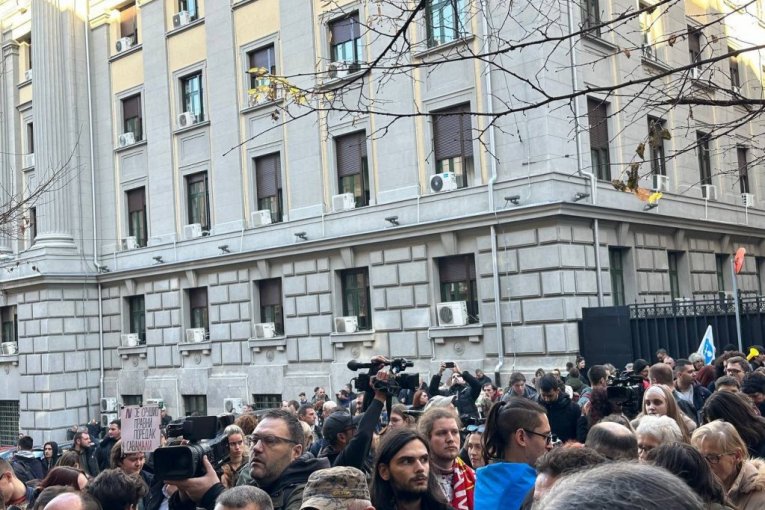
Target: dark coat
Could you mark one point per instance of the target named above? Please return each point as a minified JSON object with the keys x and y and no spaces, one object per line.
{"x":26,"y":466}
{"x":466,"y":393}
{"x":104,"y":451}
{"x":563,"y":415}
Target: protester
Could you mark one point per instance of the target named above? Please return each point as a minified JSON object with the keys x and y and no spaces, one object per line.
{"x":104,"y":448}
{"x":737,"y":367}
{"x":654,"y":431}
{"x":474,"y":447}
{"x":24,"y":463}
{"x":661,"y":374}
{"x":688,"y":389}
{"x":754,"y":387}
{"x":519,"y":388}
{"x":728,"y":384}
{"x":13,"y":490}
{"x":115,"y":489}
{"x":736,"y":410}
{"x":574,"y":381}
{"x":598,"y":407}
{"x":66,"y":476}
{"x":337,"y":488}
{"x":420,"y":400}
{"x":560,"y":462}
{"x":640,"y":368}
{"x":244,"y":497}
{"x":87,"y":454}
{"x":238,"y":460}
{"x":69,"y":459}
{"x":488,"y":397}
{"x":613,"y":441}
{"x":664,"y":357}
{"x":742,"y":478}
{"x":562,"y":413}
{"x":658,"y":401}
{"x":50,"y":456}
{"x":307,"y":414}
{"x":464,"y":387}
{"x":580,"y":366}
{"x":132,"y":464}
{"x":482,"y":378}
{"x":72,"y":501}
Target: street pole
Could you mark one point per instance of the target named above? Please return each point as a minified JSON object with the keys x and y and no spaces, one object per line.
{"x":735,"y":303}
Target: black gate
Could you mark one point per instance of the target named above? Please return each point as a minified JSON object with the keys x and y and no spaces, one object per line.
{"x":622,"y":334}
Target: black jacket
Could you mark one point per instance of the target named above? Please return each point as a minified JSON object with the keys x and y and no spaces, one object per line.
{"x":88,"y":462}
{"x":48,"y":464}
{"x":26,"y":466}
{"x":466,"y":393}
{"x":563,"y":415}
{"x":356,"y":451}
{"x":700,"y":395}
{"x":103,"y":452}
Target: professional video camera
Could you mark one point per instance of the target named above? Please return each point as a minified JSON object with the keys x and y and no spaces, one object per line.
{"x":396,"y":380}
{"x":205,"y":437}
{"x":626,"y":390}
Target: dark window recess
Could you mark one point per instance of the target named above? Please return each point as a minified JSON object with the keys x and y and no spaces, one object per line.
{"x":263,"y":58}
{"x":694,"y":45}
{"x":198,"y":308}
{"x":136,"y":201}
{"x":742,"y":155}
{"x":674,"y":282}
{"x":190,"y":6}
{"x":195,"y":405}
{"x":270,"y":294}
{"x":591,"y":16}
{"x":193,"y":95}
{"x":656,"y":128}
{"x":198,"y":200}
{"x":132,"y":400}
{"x":30,"y":138}
{"x":597,"y":113}
{"x":458,"y":282}
{"x":32,"y":226}
{"x":128,"y":22}
{"x":268,"y":181}
{"x":262,"y":401}
{"x":355,"y":289}
{"x":759,"y":262}
{"x":132,"y":116}
{"x":453,"y":142}
{"x":9,"y":322}
{"x":352,"y":166}
{"x":616,"y":265}
{"x":735,"y":78}
{"x":137,"y":312}
{"x":721,"y":261}
{"x":345,"y":42}
{"x":9,"y":422}
{"x":705,"y":160}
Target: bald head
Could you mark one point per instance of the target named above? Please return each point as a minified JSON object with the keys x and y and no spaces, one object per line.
{"x":613,"y":441}
{"x":660,"y":373}
{"x":69,"y":501}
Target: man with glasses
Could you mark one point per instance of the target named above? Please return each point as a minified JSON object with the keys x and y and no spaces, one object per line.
{"x":464,"y":386}
{"x":737,"y":367}
{"x":561,"y":411}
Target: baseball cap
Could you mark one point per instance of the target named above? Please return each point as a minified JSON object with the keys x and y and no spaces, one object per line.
{"x":334,"y":488}
{"x":440,"y":401}
{"x":335,"y":423}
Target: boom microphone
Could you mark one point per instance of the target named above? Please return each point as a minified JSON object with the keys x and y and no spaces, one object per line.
{"x":355,"y":365}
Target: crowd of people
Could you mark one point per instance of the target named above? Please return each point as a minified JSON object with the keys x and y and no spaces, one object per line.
{"x":675,"y":433}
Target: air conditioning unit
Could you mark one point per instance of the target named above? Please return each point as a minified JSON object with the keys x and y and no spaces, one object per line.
{"x":260,"y":218}
{"x":265,"y":330}
{"x":159,"y":402}
{"x":186,"y":119}
{"x":129,"y":243}
{"x":192,"y":231}
{"x":747,"y":199}
{"x":28,"y":160}
{"x":195,"y":335}
{"x":346,"y":324}
{"x":127,"y":139}
{"x":181,"y":19}
{"x":107,"y":418}
{"x":709,"y":192}
{"x":338,"y":70}
{"x":343,"y":202}
{"x":124,"y":44}
{"x":9,"y":348}
{"x":233,"y":405}
{"x":109,"y":405}
{"x":452,"y":313}
{"x":130,"y":340}
{"x":446,"y":181}
{"x":28,"y":75}
{"x":696,"y":73}
{"x":659,"y":182}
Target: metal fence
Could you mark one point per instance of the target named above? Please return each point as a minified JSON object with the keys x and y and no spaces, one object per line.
{"x":9,"y":422}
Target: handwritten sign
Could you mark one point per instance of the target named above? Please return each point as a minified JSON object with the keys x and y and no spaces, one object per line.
{"x":140,"y":428}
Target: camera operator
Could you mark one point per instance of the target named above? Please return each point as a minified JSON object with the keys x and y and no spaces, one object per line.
{"x":464,"y":386}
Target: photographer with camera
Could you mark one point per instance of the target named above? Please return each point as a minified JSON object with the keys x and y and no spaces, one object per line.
{"x":464,"y":386}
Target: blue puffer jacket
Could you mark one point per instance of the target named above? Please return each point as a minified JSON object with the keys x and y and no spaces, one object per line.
{"x":503,"y":485}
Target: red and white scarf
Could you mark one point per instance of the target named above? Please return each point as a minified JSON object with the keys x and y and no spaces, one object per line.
{"x":463,"y":483}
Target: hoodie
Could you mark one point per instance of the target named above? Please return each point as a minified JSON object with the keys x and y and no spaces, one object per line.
{"x":26,"y":466}
{"x":748,"y":489}
{"x":48,"y":464}
{"x":563,"y":415}
{"x":503,"y":485}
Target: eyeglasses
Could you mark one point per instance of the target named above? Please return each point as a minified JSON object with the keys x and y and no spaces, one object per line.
{"x":714,"y":458}
{"x":269,"y":441}
{"x":549,"y":438}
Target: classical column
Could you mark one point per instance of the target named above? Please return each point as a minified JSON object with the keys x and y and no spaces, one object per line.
{"x":9,"y":124}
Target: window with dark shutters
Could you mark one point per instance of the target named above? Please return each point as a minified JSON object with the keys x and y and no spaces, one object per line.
{"x":136,"y":203}
{"x":270,"y":293}
{"x":268,"y":184}
{"x":597,"y":114}
{"x":345,"y":40}
{"x":133,"y":116}
{"x":352,"y":170}
{"x":694,"y":44}
{"x":198,"y":308}
{"x":742,"y":155}
{"x":456,"y":275}
{"x":453,"y":142}
{"x":128,"y":22}
{"x":705,"y":160}
{"x":262,"y":58}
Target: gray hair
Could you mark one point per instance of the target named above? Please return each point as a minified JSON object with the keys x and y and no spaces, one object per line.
{"x":621,"y":486}
{"x":693,"y":358}
{"x":243,"y":495}
{"x":663,"y":428}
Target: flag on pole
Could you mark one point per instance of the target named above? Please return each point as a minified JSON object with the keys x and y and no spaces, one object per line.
{"x":707,"y":347}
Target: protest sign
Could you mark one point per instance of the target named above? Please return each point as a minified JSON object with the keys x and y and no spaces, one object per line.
{"x":140,"y":428}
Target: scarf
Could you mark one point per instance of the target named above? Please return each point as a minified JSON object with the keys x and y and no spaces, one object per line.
{"x":463,"y":482}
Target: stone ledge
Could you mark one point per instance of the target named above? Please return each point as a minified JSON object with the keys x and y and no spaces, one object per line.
{"x":340,"y":339}
{"x":256,"y":344}
{"x":126,"y":352}
{"x":473,"y":332}
{"x":187,"y":348}
{"x":12,"y":359}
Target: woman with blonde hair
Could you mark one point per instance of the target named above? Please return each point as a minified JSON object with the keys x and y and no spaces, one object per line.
{"x":659,"y":401}
{"x":727,"y":455}
{"x":237,"y":450}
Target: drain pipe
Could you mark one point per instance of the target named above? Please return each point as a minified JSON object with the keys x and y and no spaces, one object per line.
{"x":579,"y":162}
{"x":492,"y":229}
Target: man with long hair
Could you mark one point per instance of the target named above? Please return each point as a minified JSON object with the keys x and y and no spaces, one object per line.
{"x":402,"y":478}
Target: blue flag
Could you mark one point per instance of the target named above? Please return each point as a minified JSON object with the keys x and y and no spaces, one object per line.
{"x":707,"y":347}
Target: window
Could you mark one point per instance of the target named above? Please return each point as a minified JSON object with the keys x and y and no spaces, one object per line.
{"x":9,"y":422}
{"x":268,"y":181}
{"x":190,"y":6}
{"x":345,"y":41}
{"x":694,"y":44}
{"x":453,"y":143}
{"x":132,"y":400}
{"x":458,"y":282}
{"x":197,"y":199}
{"x":597,"y":113}
{"x":648,"y":29}
{"x":137,"y":317}
{"x":132,"y":117}
{"x":193,"y":95}
{"x":136,"y":204}
{"x":262,"y":63}
{"x":705,"y":161}
{"x":198,"y":308}
{"x":352,"y":166}
{"x":616,"y":265}
{"x":721,"y":260}
{"x":674,"y":281}
{"x":9,"y":324}
{"x":446,"y":21}
{"x":735,"y":79}
{"x":759,"y":262}
{"x":591,"y":16}
{"x":32,"y":224}
{"x":128,"y":22}
{"x":270,"y":294}
{"x":266,"y":401}
{"x":355,"y":289}
{"x":656,"y":131}
{"x":195,"y":405}
{"x":30,"y":138}
{"x":742,"y":155}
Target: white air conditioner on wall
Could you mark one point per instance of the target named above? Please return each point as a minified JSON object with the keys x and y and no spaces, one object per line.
{"x":186,"y":119}
{"x":264,"y":329}
{"x":181,"y":19}
{"x":659,"y":182}
{"x":123,"y":44}
{"x":346,"y":324}
{"x":154,"y":402}
{"x":260,"y":218}
{"x":127,"y":139}
{"x":28,"y":74}
{"x":9,"y":348}
{"x":129,"y":243}
{"x":233,"y":405}
{"x":106,"y":419}
{"x":709,"y":192}
{"x":28,"y":160}
{"x":109,"y":405}
{"x":192,"y":231}
{"x":343,"y":202}
{"x":747,"y":200}
{"x":452,"y":313}
{"x":338,"y":70}
{"x":696,"y":73}
{"x":130,"y":340}
{"x":446,"y":181}
{"x":195,"y":335}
